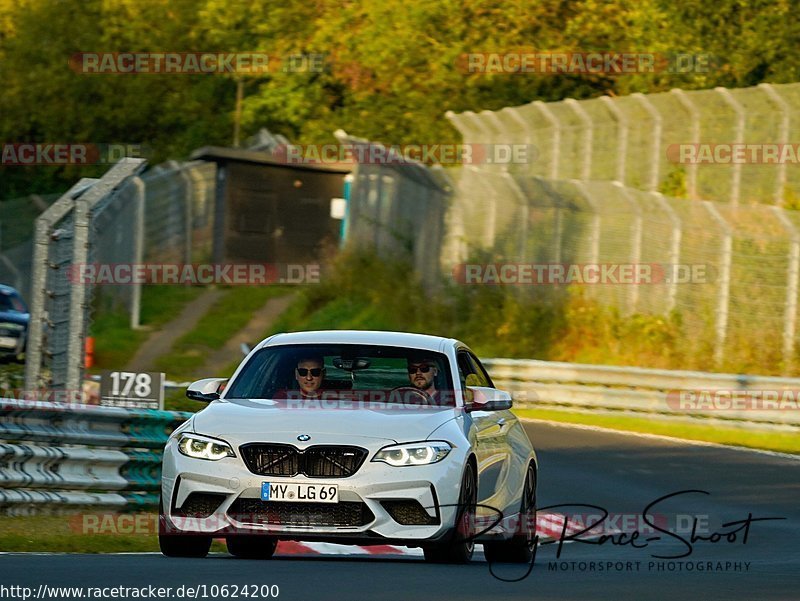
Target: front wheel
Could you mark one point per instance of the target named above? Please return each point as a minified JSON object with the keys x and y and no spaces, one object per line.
{"x":460,"y":547}
{"x":180,"y":545}
{"x":519,"y":549}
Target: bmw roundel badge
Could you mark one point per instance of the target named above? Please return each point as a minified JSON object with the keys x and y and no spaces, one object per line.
{"x":303,"y":437}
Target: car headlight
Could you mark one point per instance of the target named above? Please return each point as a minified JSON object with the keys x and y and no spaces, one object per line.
{"x":203,"y":447}
{"x":415,"y":453}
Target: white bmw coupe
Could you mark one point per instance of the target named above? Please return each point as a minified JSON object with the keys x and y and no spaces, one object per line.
{"x":352,"y":437}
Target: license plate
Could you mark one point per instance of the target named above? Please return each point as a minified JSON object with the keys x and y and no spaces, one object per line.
{"x":8,"y":342}
{"x":300,"y":492}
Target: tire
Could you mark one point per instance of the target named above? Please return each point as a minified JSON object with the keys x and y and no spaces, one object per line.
{"x":460,"y":547}
{"x":251,"y":546}
{"x":180,"y":545}
{"x":519,"y":549}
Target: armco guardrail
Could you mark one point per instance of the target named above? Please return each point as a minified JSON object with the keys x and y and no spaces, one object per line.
{"x":651,"y":391}
{"x":56,"y":454}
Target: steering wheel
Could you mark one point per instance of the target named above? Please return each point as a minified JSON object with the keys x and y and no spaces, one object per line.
{"x":407,"y":393}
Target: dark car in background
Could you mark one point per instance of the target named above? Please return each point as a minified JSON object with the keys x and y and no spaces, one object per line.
{"x":14,"y":318}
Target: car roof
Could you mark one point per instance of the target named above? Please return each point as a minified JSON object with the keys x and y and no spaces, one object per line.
{"x":401,"y":339}
{"x":5,"y":289}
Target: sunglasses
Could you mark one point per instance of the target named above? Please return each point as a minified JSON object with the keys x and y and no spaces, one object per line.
{"x":316,"y":372}
{"x":422,"y":369}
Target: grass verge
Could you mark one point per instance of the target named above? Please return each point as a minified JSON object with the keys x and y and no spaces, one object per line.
{"x":67,"y":534}
{"x":764,"y":440}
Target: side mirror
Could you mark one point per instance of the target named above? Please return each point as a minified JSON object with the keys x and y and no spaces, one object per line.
{"x":206,"y":390}
{"x":488,"y":399}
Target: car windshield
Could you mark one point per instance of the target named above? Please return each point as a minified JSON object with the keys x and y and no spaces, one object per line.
{"x":370,"y":372}
{"x":9,"y":302}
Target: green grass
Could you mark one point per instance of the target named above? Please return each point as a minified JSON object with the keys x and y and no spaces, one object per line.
{"x":115,"y":343}
{"x":766,"y":440}
{"x":68,"y":534}
{"x":228,"y":315}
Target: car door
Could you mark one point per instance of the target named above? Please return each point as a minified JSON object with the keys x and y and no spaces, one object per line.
{"x":491,"y":431}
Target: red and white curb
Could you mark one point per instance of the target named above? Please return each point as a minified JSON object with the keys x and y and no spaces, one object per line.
{"x":548,"y":527}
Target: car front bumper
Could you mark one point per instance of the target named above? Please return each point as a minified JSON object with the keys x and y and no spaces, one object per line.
{"x":364,"y":514}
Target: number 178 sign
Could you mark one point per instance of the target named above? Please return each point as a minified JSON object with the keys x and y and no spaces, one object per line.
{"x":132,"y":390}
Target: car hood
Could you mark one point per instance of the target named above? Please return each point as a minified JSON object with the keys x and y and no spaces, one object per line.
{"x":14,"y":317}
{"x":275,"y":421}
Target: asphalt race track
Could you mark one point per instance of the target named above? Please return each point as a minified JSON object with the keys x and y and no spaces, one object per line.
{"x":620,"y":473}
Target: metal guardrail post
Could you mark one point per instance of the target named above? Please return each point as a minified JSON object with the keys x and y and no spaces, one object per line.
{"x":555,"y":140}
{"x":675,"y":246}
{"x":655,"y":158}
{"x":783,"y":106}
{"x":694,"y":116}
{"x":736,"y":176}
{"x":725,"y":281}
{"x":622,"y":136}
{"x":588,"y":137}
{"x":793,"y":276}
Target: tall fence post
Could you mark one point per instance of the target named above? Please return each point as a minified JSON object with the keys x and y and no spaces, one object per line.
{"x":674,"y":247}
{"x":594,"y":248}
{"x":736,"y":175}
{"x":622,"y":136}
{"x":525,"y":214}
{"x":792,"y":278}
{"x":40,"y":268}
{"x":555,"y":140}
{"x":526,"y":126}
{"x":636,"y":242}
{"x":138,"y":249}
{"x":655,"y":149}
{"x":77,"y":305}
{"x":783,"y":106}
{"x":723,"y":300}
{"x":694,"y":116}
{"x":188,"y":213}
{"x":588,"y":137}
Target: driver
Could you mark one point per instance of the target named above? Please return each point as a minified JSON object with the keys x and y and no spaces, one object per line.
{"x":422,"y":372}
{"x":309,"y":374}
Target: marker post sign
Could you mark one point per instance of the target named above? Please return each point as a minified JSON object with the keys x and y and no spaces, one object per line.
{"x":132,"y":390}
